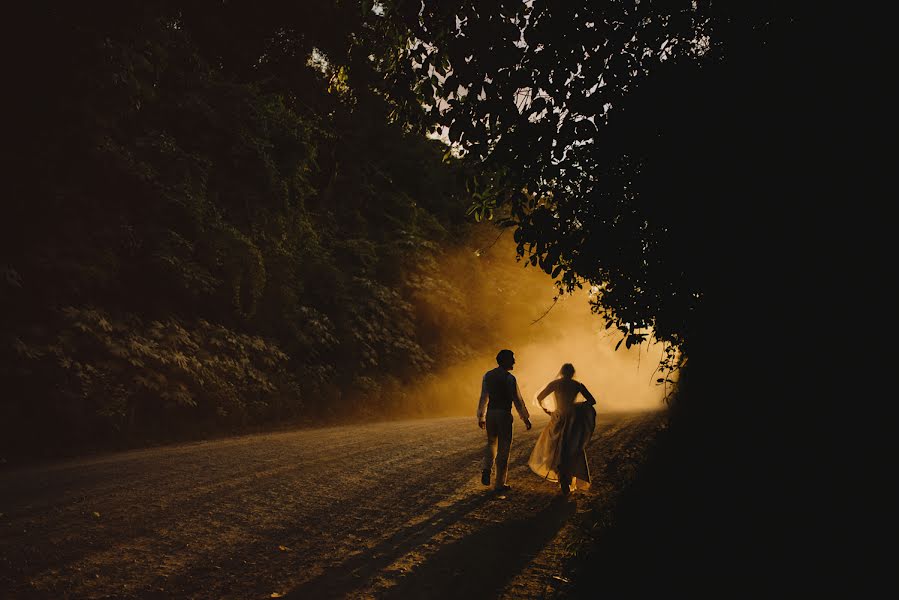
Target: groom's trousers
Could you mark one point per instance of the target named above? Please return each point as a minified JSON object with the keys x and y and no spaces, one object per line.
{"x":499,"y":443}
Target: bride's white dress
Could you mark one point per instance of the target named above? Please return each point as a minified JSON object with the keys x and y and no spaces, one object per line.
{"x":562,"y":441}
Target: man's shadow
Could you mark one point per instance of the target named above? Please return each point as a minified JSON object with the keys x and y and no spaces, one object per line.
{"x":476,"y":566}
{"x":342,"y":579}
{"x":483,"y":563}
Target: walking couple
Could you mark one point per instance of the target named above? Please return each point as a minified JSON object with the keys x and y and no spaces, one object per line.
{"x":559,"y":453}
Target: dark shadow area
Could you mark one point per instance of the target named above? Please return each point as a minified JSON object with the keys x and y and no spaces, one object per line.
{"x":300,"y":522}
{"x":344,"y":578}
{"x":302,"y":517}
{"x":741,"y":494}
{"x":481,"y":564}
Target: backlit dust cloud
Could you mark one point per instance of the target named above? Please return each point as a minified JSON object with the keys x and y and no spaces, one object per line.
{"x":622,"y":380}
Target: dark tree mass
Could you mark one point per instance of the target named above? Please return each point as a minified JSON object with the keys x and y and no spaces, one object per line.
{"x":621,"y":139}
{"x":218,"y":219}
{"x":223,"y":215}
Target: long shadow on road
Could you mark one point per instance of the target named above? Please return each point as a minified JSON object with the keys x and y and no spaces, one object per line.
{"x":339,"y":581}
{"x":476,"y":566}
{"x":480,"y":565}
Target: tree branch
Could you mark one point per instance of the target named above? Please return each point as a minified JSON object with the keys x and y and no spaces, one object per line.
{"x":556,"y":299}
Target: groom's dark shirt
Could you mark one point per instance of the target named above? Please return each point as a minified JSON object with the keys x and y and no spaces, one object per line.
{"x":500,"y":386}
{"x":499,"y":391}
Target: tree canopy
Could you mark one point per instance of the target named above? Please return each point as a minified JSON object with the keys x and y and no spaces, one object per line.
{"x":612,"y":136}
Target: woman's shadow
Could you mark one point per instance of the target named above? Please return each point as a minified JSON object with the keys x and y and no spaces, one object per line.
{"x":480,"y":565}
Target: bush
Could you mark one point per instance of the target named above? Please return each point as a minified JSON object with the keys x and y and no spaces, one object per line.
{"x":119,"y":378}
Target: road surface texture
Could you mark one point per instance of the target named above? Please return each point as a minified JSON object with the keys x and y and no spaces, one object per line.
{"x":386,"y":510}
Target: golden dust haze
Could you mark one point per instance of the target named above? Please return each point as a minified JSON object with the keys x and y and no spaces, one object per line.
{"x":515,"y":297}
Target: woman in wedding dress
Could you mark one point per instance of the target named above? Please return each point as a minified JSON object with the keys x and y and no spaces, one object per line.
{"x":559,"y":454}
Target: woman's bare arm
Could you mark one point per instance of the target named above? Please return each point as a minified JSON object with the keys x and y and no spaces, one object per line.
{"x":587,"y":394}
{"x":544,"y":393}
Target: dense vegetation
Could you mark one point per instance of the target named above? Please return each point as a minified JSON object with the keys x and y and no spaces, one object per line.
{"x":219,"y":219}
{"x":613,"y":134}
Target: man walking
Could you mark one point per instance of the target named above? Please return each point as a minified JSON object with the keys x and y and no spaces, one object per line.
{"x":499,"y":390}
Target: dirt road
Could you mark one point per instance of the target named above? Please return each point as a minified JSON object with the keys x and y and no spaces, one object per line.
{"x":392,"y":510}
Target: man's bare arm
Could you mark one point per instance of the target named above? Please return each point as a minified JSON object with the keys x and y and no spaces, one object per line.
{"x":520,"y":405}
{"x":482,"y":403}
